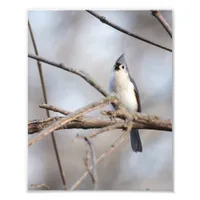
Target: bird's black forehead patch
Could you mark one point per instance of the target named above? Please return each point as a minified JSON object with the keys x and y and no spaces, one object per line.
{"x":116,"y":66}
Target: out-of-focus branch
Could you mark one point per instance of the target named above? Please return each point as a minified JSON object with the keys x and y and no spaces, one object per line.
{"x":103,"y":155}
{"x":47,"y":112}
{"x":80,"y":73}
{"x":108,"y":128}
{"x":87,"y":164}
{"x":93,"y":173}
{"x":55,"y":109}
{"x":63,"y":121}
{"x":105,"y":21}
{"x":40,"y":186}
{"x":162,"y":20}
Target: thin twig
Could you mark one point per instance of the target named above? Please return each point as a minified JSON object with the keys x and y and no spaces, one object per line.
{"x":102,"y":156}
{"x":40,"y":186}
{"x":86,"y":162}
{"x":162,"y":20}
{"x":82,"y":74}
{"x":69,"y":118}
{"x":93,"y":158}
{"x":53,"y":108}
{"x":47,"y":112}
{"x":107,"y":128}
{"x":105,"y":21}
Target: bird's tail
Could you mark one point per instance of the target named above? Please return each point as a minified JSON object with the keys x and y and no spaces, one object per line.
{"x":135,"y":140}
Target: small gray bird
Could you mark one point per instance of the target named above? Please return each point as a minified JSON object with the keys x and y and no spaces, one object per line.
{"x":124,"y":88}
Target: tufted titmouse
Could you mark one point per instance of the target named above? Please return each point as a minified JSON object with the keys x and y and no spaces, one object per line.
{"x":124,"y":88}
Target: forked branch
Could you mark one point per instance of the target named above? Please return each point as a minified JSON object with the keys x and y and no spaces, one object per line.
{"x":63,"y":121}
{"x":139,"y":121}
{"x":103,"y":156}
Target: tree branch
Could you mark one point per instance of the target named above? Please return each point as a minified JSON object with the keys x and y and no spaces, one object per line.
{"x":102,"y":156}
{"x":139,"y":121}
{"x":63,"y":121}
{"x":47,"y":112}
{"x":82,"y":74}
{"x":35,"y":126}
{"x":117,"y":125}
{"x":40,"y":186}
{"x":149,"y":122}
{"x":153,"y":122}
{"x":53,"y":108}
{"x":93,"y":173}
{"x":162,"y":20}
{"x":105,"y":21}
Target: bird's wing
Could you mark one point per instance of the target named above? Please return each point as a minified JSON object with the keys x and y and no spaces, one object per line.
{"x":136,"y":94}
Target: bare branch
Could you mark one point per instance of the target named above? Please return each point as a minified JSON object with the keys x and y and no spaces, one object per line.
{"x":107,"y":128}
{"x":162,"y":20}
{"x":105,"y":21}
{"x":97,"y":123}
{"x":102,"y":156}
{"x":93,"y":158}
{"x":80,"y":123}
{"x":55,"y":109}
{"x":86,"y":162}
{"x":61,"y":122}
{"x":82,"y":74}
{"x":153,"y":122}
{"x":47,"y":112}
{"x":40,"y":186}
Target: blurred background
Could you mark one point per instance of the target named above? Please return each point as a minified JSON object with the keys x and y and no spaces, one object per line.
{"x":82,"y":42}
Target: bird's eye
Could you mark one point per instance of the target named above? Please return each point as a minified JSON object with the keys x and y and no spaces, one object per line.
{"x":122,"y":66}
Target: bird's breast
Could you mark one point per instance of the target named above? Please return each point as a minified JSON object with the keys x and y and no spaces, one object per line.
{"x":128,"y":98}
{"x":123,"y":88}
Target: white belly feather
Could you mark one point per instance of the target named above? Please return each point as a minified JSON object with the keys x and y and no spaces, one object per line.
{"x":127,"y":98}
{"x":124,"y":90}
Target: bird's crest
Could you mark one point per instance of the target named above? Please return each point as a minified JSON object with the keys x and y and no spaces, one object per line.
{"x":121,"y":59}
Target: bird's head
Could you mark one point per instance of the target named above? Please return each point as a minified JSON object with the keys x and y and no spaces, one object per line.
{"x":120,"y":66}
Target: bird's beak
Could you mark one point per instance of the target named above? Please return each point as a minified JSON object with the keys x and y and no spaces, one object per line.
{"x":117,"y":66}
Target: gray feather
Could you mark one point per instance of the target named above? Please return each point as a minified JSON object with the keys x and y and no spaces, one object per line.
{"x":135,"y":140}
{"x":121,"y":59}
